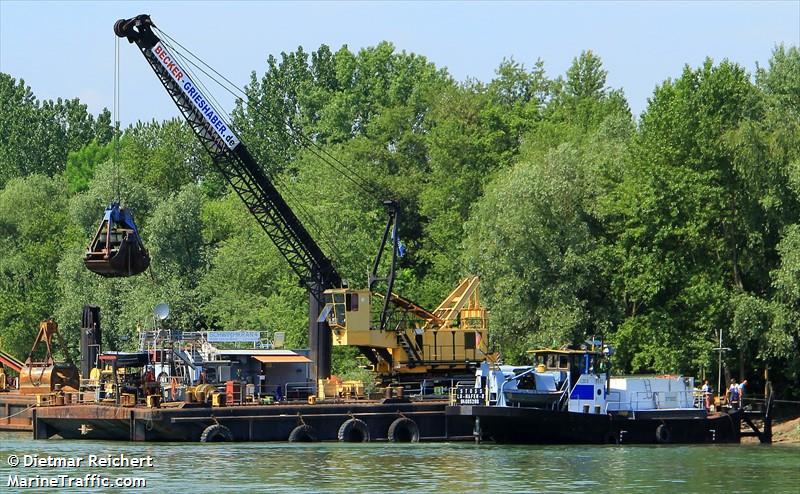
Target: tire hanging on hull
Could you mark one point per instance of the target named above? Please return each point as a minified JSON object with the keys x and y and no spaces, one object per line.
{"x":403,"y":430}
{"x":216,"y":433}
{"x":354,"y":431}
{"x":303,"y":434}
{"x":663,"y":434}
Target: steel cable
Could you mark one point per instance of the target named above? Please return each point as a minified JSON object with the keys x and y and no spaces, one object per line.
{"x":295,"y":134}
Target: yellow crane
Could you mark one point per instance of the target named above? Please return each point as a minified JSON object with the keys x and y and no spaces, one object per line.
{"x":399,"y":336}
{"x":449,"y":340}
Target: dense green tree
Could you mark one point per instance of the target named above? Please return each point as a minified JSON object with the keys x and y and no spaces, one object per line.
{"x":35,"y":136}
{"x":248,"y":285}
{"x":700,"y":214}
{"x":165,"y":156}
{"x":82,"y":163}
{"x":33,"y":222}
{"x":581,"y":222}
{"x":535,"y":241}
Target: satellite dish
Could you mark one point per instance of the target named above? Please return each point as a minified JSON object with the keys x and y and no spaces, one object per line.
{"x":161,"y":311}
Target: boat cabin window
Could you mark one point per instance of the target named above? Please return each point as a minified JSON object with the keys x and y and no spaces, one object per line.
{"x":585,"y":362}
{"x":578,"y":362}
{"x":553,"y":361}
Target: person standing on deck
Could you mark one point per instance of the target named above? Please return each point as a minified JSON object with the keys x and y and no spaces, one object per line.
{"x":149,"y":381}
{"x":706,"y":390}
{"x":733,"y":394}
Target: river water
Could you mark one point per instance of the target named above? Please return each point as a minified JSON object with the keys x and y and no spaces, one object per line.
{"x":427,"y":467}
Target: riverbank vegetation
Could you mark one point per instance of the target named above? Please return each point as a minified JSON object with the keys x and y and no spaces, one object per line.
{"x":654,"y":232}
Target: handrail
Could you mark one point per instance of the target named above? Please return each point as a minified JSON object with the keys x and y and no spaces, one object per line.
{"x":564,"y":395}
{"x":299,"y":386}
{"x":633,"y":402}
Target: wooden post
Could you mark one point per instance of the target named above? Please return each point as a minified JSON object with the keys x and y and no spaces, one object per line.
{"x":477,"y":432}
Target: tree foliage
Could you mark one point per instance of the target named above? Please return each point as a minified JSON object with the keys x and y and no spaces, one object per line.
{"x":653,"y":234}
{"x":35,"y":136}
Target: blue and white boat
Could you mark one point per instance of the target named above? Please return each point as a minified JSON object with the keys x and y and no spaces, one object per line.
{"x":568,"y":396}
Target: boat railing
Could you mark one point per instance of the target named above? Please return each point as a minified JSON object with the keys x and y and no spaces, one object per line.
{"x":453,"y":400}
{"x":439,"y":388}
{"x":565,"y":392}
{"x":411,"y":388}
{"x":609,"y":401}
{"x":698,"y":398}
{"x":298,"y":390}
{"x":649,"y":400}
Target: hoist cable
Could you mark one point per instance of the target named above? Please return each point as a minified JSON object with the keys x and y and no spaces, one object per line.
{"x":307,"y":218}
{"x":240,"y":95}
{"x":295,"y":134}
{"x":115,"y":143}
{"x":185,"y":63}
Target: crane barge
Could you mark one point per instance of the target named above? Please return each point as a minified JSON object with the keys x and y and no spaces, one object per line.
{"x":397,"y":335}
{"x":405,"y":343}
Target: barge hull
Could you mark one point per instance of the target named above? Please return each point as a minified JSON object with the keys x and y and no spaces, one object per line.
{"x":246,"y":423}
{"x":16,"y":411}
{"x":537,"y":426}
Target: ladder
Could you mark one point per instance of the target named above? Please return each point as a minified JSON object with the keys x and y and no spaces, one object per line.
{"x":410,"y":349}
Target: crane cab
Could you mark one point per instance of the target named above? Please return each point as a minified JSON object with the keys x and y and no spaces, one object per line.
{"x":349,"y":314}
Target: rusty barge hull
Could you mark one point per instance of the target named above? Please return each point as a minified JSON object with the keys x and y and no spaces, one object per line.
{"x":246,"y":423}
{"x":16,"y":411}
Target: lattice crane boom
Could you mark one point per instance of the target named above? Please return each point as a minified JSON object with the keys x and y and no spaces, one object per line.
{"x":233,"y":160}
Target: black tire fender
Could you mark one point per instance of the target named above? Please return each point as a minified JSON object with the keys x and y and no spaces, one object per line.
{"x":216,"y":433}
{"x":353,"y":431}
{"x":403,"y":430}
{"x":663,"y":434}
{"x":303,"y":434}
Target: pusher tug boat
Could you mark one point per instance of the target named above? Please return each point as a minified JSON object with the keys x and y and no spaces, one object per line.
{"x":568,"y":397}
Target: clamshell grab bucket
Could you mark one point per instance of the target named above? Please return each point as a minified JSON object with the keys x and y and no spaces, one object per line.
{"x":117,"y":249}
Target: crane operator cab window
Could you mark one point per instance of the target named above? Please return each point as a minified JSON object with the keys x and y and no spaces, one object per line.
{"x":346,"y":309}
{"x":340,"y":308}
